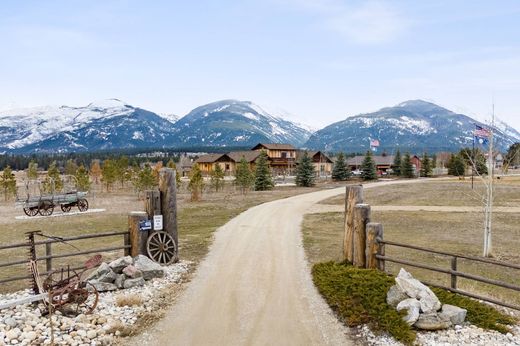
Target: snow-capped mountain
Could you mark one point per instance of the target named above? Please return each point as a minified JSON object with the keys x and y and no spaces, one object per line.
{"x":236,"y":123}
{"x":412,"y":125}
{"x":114,"y":124}
{"x":107,"y":124}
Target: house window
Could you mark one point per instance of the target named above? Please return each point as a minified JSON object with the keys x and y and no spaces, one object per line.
{"x":227,"y":166}
{"x":284,"y":155}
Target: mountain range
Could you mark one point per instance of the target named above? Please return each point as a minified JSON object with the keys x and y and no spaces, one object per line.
{"x":113,"y":124}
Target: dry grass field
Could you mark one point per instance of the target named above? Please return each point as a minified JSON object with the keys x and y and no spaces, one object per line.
{"x":445,"y":231}
{"x":197,"y":221}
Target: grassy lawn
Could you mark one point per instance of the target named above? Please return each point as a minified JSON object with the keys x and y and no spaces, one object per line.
{"x":197,"y":222}
{"x":452,"y":232}
{"x":447,"y":193}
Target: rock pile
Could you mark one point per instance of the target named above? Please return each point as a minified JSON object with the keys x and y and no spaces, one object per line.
{"x":125,"y":272}
{"x":425,"y":311}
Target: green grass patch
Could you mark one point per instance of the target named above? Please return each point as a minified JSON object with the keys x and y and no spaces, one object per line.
{"x":358,"y":296}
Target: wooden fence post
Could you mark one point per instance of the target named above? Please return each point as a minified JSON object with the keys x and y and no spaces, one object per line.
{"x":353,"y":196}
{"x":361,"y":218}
{"x":374,"y":231}
{"x":48,"y":260}
{"x":137,"y":238}
{"x":168,"y":193}
{"x":126,"y":242}
{"x":454,"y":269}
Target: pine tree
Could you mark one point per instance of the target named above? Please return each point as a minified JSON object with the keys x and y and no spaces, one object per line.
{"x":53,"y":182}
{"x":109,"y":173}
{"x":172,"y":165}
{"x":368,"y":167}
{"x":32,"y":170}
{"x":82,"y":179}
{"x":71,"y":167}
{"x":196,"y":183}
{"x":244,"y":178}
{"x":340,"y":171}
{"x":434,"y":161}
{"x":263,"y":177}
{"x":456,"y":166}
{"x":397,"y":163}
{"x":217,"y":178}
{"x":156,"y":169}
{"x":8,"y":182}
{"x":305,"y":174}
{"x":426,"y":169}
{"x":407,"y":166}
{"x":95,"y":171}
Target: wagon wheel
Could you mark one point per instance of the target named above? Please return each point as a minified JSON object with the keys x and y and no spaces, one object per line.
{"x":83,"y":300}
{"x":82,"y":205}
{"x":46,"y":209}
{"x":161,"y":248}
{"x":66,"y":208}
{"x":30,"y":211}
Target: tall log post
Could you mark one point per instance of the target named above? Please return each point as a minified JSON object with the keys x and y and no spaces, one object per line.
{"x":168,"y":191}
{"x":374,"y":232}
{"x":152,"y":203}
{"x":137,"y":237}
{"x":361,"y":218}
{"x":353,"y":196}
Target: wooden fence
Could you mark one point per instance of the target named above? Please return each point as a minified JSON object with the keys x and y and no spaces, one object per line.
{"x":31,"y":248}
{"x":364,"y":247}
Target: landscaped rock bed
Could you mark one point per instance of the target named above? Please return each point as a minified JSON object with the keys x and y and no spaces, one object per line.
{"x":25,"y":325}
{"x":424,"y":308}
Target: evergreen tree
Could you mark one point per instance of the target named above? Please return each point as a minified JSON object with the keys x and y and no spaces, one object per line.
{"x":263,"y":177}
{"x":397,"y":163}
{"x":340,"y":171}
{"x":32,"y":170}
{"x":407,"y":166}
{"x":426,"y":169}
{"x":244,"y":178}
{"x":82,"y":179}
{"x":70,"y":167}
{"x":95,"y":171}
{"x":143,"y":179}
{"x":8,"y":182}
{"x":196,"y":183}
{"x":172,"y":165}
{"x":456,"y":166}
{"x":368,"y":167}
{"x":53,"y":182}
{"x":217,"y":178}
{"x":156,"y":169}
{"x":109,"y":173}
{"x":434,"y":161}
{"x":305,"y":174}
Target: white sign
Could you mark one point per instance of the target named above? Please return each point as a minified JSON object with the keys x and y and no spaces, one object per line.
{"x":157,"y":222}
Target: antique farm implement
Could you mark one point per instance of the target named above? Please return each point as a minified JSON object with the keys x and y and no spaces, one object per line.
{"x":34,"y":201}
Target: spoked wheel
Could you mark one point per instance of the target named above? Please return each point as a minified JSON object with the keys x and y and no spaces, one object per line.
{"x":33,"y":211}
{"x":83,"y":205}
{"x":66,"y":208}
{"x":46,"y":209}
{"x":83,"y":300}
{"x":161,"y":248}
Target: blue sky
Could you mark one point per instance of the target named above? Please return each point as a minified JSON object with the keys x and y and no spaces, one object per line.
{"x":321,"y":60}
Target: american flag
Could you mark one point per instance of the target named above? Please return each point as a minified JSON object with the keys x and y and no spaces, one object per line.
{"x":374,"y":143}
{"x":481,"y":132}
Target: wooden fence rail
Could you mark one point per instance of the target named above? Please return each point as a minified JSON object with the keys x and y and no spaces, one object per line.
{"x":367,"y":250}
{"x":49,"y":256}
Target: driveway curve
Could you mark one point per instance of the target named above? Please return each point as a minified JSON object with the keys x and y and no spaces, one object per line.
{"x":255,"y":287}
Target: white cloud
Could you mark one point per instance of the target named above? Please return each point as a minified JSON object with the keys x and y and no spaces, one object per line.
{"x":366,"y":22}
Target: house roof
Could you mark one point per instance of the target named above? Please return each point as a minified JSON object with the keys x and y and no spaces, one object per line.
{"x":210,"y":158}
{"x":378,"y":159}
{"x":249,"y":155}
{"x":315,"y":155}
{"x":273,"y":146}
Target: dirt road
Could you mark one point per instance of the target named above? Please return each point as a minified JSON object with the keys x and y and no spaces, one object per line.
{"x":254,"y":287}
